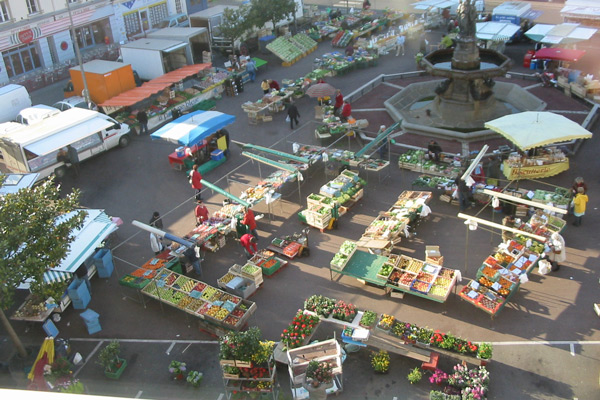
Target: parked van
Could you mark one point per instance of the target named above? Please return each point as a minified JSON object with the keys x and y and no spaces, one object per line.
{"x":35,"y":114}
{"x":180,"y":20}
{"x":35,"y":148}
{"x":13,"y":99}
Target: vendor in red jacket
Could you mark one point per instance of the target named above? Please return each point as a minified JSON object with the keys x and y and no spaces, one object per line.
{"x":250,"y":221}
{"x":346,"y":111}
{"x":273,"y":84}
{"x":201,"y":212}
{"x":248,"y":242}
{"x":339,"y":101}
{"x":195,"y":179}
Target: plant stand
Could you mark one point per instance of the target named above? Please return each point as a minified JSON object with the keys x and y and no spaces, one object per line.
{"x":117,"y":374}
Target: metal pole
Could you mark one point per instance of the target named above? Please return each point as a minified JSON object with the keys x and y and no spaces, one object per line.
{"x":86,"y":92}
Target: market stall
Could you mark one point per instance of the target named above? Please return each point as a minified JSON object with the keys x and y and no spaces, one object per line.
{"x":269,"y":103}
{"x":533,"y":130}
{"x":333,"y":125}
{"x":218,"y":311}
{"x":197,"y":135}
{"x":291,"y":246}
{"x":449,"y":166}
{"x":337,"y":63}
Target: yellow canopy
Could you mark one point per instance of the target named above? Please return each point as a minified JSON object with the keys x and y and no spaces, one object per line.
{"x":48,"y":349}
{"x":531,"y":129}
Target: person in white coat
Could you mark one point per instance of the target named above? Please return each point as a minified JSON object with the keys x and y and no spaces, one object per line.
{"x":558,"y":251}
{"x":156,"y":243}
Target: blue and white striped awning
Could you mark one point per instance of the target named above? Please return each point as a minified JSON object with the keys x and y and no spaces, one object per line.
{"x":192,"y":128}
{"x":56,"y":276}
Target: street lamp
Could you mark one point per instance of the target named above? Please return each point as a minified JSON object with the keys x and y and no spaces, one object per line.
{"x":86,"y":92}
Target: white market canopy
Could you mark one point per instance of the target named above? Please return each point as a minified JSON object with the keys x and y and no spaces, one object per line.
{"x":586,"y":9}
{"x":531,"y":129}
{"x":427,"y":4}
{"x":565,"y":33}
{"x":496,"y":31}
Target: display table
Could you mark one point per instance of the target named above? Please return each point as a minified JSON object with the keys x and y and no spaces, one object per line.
{"x":513,"y":172}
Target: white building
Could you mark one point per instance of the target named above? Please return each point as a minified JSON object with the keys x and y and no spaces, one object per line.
{"x":35,"y":34}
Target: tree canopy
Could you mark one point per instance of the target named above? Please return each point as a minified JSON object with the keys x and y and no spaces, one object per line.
{"x":273,"y":11}
{"x":35,"y":235}
{"x":235,"y":22}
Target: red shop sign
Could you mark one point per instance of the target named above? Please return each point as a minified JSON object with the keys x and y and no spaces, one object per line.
{"x":26,"y":36}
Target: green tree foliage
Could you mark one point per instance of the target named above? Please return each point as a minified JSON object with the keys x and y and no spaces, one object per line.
{"x":35,"y":234}
{"x":273,"y":11}
{"x":235,"y":23}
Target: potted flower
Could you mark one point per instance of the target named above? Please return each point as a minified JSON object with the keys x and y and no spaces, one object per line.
{"x":380,"y":361}
{"x":177,"y":368}
{"x":424,"y":336}
{"x":319,"y":372}
{"x":485,"y":351}
{"x":71,"y":386}
{"x":263,"y":355}
{"x":195,"y":378}
{"x":344,"y":311}
{"x":110,"y":360}
{"x":385,"y":322}
{"x":415,"y":376}
{"x":439,"y":377}
{"x":368,"y":319}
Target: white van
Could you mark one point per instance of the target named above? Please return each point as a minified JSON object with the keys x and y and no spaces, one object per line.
{"x":35,"y":148}
{"x":35,"y":114}
{"x":13,"y":99}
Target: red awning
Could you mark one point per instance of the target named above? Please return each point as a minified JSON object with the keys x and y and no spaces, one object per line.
{"x":154,"y":86}
{"x":555,"y":53}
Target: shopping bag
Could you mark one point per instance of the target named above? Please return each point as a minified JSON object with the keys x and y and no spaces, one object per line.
{"x":544,"y":267}
{"x":288,"y":119}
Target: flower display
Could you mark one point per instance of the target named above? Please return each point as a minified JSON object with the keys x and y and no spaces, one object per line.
{"x":386,"y":321}
{"x":70,"y":386}
{"x":240,"y":346}
{"x":195,"y":378}
{"x":177,"y":368}
{"x":439,"y":377}
{"x":302,"y":327}
{"x":321,"y":372}
{"x":485,"y":351}
{"x":319,"y":304}
{"x":344,"y":311}
{"x":380,"y":361}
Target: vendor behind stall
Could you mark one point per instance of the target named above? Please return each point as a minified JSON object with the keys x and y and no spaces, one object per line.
{"x":248,"y":242}
{"x":434,"y":150}
{"x":346,"y":111}
{"x":273,"y":84}
{"x":201,"y":212}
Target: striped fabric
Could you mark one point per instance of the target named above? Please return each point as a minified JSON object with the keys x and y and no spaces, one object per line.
{"x":56,"y":276}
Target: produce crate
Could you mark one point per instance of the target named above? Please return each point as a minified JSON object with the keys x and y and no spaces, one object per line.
{"x":314,"y":199}
{"x":133,"y":281}
{"x":273,"y":266}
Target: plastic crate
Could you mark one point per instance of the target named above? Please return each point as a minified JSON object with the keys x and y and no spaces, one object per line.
{"x":104,"y":263}
{"x":217,"y":155}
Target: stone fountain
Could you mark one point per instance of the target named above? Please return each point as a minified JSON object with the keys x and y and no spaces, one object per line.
{"x":458,"y":106}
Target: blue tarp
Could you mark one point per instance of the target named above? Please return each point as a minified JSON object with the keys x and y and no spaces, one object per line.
{"x":194,"y":127}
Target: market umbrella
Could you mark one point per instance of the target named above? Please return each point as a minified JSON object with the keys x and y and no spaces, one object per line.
{"x":45,"y":356}
{"x":321,"y":90}
{"x":194,"y":127}
{"x":556,"y":53}
{"x":531,"y":129}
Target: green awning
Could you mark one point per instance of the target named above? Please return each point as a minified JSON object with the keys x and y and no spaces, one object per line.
{"x":277,"y":153}
{"x":224,"y":193}
{"x":377,"y":140}
{"x":272,"y":163}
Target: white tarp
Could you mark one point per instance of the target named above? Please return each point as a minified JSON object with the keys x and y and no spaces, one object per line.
{"x":566,"y":33}
{"x":496,"y":31}
{"x":427,"y":4}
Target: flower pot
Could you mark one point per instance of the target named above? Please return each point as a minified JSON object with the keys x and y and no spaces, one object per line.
{"x":117,"y":374}
{"x":179,"y":377}
{"x":423,"y":344}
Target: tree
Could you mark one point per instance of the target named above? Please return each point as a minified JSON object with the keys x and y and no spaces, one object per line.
{"x":235,"y":23}
{"x":273,"y":11}
{"x":35,"y":234}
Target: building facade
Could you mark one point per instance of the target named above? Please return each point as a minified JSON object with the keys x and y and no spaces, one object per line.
{"x":35,"y":35}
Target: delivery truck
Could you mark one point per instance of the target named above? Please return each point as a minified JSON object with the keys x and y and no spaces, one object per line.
{"x":152,"y":58}
{"x":105,"y":79}
{"x":35,"y":148}
{"x":198,"y":40}
{"x":13,"y":98}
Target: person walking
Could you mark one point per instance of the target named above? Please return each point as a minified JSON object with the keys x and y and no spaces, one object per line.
{"x":250,"y":221}
{"x":73,"y":158}
{"x":156,"y":220}
{"x":293,"y":115}
{"x":156,"y":244}
{"x":339,"y":101}
{"x":195,"y":181}
{"x":400,"y":40}
{"x":142,"y":118}
{"x":264,"y":85}
{"x":248,"y":242}
{"x":579,"y":205}
{"x":346,"y":111}
{"x":251,"y":69}
{"x":201,"y":213}
{"x":558,"y":252}
{"x":192,"y":254}
{"x":463,"y":193}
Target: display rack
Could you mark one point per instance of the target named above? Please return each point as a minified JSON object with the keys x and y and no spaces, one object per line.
{"x":252,"y":387}
{"x":298,"y":359}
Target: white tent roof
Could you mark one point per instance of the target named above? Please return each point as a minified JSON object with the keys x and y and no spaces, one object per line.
{"x":565,"y":33}
{"x":426,"y":4}
{"x":589,"y":9}
{"x":497,"y":31}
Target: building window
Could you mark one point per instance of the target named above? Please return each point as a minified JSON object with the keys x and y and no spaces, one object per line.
{"x":132,"y":24}
{"x":178,"y":8}
{"x":158,"y":13}
{"x":21,"y":59}
{"x":3,"y":12}
{"x":32,"y":7}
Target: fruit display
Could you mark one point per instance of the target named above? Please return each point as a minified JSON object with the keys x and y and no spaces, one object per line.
{"x":439,"y":291}
{"x":199,"y":286}
{"x":339,"y":261}
{"x":231,"y":320}
{"x":347,"y":247}
{"x":385,"y":270}
{"x":226,"y":278}
{"x":406,"y":279}
{"x":170,"y":279}
{"x":414,"y":266}
{"x":208,"y":293}
{"x":289,"y":49}
{"x":250,"y":269}
{"x":425,"y":277}
{"x":195,"y":305}
{"x":419,"y":286}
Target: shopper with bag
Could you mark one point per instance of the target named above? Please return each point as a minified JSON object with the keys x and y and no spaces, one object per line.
{"x":292,"y":115}
{"x":195,"y":181}
{"x":557,"y":251}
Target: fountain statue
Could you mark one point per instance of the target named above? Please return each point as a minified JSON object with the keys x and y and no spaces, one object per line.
{"x":458,"y":106}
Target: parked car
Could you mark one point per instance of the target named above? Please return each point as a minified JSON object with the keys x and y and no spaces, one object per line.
{"x":35,"y":114}
{"x":75,"y":101}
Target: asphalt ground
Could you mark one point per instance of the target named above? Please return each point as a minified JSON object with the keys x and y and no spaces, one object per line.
{"x":546,"y":340}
